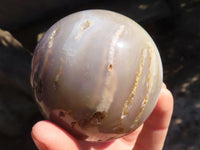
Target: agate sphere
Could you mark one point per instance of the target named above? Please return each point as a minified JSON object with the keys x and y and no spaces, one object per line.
{"x":97,"y":74}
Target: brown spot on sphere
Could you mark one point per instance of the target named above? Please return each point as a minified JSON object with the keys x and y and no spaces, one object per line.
{"x":110,"y":67}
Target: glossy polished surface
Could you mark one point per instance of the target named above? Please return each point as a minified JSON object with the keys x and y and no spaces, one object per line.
{"x":97,"y":74}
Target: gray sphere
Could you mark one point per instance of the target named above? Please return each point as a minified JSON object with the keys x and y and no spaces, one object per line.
{"x":97,"y":74}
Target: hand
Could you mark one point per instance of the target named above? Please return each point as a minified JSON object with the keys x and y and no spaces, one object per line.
{"x":149,"y":136}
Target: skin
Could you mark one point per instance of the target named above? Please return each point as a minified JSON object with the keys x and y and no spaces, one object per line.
{"x":150,"y":135}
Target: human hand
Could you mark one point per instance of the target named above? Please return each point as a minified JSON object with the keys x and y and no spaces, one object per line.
{"x":149,"y":136}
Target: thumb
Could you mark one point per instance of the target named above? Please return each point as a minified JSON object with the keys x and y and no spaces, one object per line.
{"x":48,"y":136}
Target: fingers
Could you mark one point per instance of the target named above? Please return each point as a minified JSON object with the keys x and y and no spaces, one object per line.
{"x":124,"y":143}
{"x":48,"y":136}
{"x":112,"y":145}
{"x":131,"y":138}
{"x":156,"y":126}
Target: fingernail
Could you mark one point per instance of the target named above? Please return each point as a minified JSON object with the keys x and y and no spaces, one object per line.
{"x":164,"y":86}
{"x":39,"y":145}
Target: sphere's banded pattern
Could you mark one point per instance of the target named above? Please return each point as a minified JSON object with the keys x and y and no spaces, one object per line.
{"x":97,"y":74}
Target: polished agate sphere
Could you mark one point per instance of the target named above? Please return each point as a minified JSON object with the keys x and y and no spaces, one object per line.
{"x":97,"y":74}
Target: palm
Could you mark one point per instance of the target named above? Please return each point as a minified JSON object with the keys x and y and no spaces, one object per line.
{"x":124,"y":143}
